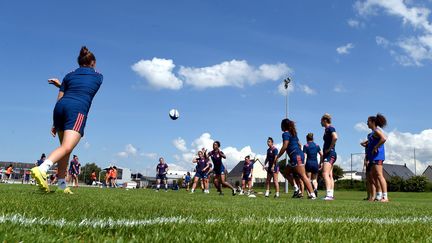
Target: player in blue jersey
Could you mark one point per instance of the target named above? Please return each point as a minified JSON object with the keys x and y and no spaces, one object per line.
{"x":202,"y":166}
{"x":42,"y":159}
{"x":376,"y":153}
{"x":187,"y":180}
{"x":247,"y":175}
{"x":219,"y":169}
{"x":70,"y":114}
{"x":291,"y":145}
{"x":370,"y":182}
{"x":161,"y":172}
{"x":271,"y":167}
{"x":329,"y":155}
{"x":311,"y":151}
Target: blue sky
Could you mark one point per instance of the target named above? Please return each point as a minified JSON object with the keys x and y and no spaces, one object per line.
{"x":351,"y":59}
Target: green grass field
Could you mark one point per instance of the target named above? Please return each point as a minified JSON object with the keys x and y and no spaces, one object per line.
{"x":94,"y":214}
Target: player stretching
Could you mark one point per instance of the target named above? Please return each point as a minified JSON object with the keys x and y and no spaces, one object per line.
{"x":329,"y":155}
{"x":70,"y":114}
{"x":376,"y":153}
{"x":311,"y":150}
{"x":161,"y":171}
{"x":219,"y":169}
{"x":291,"y":146}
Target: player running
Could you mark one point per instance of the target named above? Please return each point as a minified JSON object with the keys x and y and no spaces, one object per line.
{"x":70,"y":114}
{"x":376,"y":153}
{"x":202,"y":166}
{"x":247,"y":174}
{"x":161,"y":171}
{"x":329,"y":155}
{"x":291,"y":145}
{"x":272,"y":168}
{"x":219,"y":169}
{"x":311,"y":151}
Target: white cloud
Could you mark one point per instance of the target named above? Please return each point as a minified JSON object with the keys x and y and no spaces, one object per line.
{"x":159,"y":73}
{"x":407,"y":51}
{"x":381,"y":41}
{"x":233,"y":73}
{"x":306,"y":89}
{"x":400,"y":149}
{"x":281,"y":89}
{"x":180,"y":144}
{"x":87,"y":145}
{"x":204,"y":141}
{"x":176,"y":167}
{"x":355,"y":23}
{"x":344,"y":50}
{"x":129,"y":150}
{"x":361,"y":127}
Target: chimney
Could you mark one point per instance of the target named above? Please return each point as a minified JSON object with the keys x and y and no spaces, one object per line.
{"x":405,"y":164}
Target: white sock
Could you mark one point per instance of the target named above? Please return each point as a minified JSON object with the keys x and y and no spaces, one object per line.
{"x":384,"y":195}
{"x":329,"y":193}
{"x":332,"y":193}
{"x":312,"y":194}
{"x":379,"y":195}
{"x":268,"y":192}
{"x":166,"y":186}
{"x":62,"y":184}
{"x":296,"y":188}
{"x":277,"y":194}
{"x":157,"y":187}
{"x":44,"y":167}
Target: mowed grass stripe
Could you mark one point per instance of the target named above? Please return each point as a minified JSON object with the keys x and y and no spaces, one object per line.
{"x":113,"y":223}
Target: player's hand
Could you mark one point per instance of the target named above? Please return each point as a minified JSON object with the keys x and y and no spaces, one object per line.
{"x":273,"y":169}
{"x":53,"y":131}
{"x":54,"y":82}
{"x":375,"y":150}
{"x":327,"y":151}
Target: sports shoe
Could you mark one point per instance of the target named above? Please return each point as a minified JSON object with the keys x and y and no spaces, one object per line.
{"x":327,"y":198}
{"x":300,"y":195}
{"x":316,"y":192}
{"x":275,"y":196}
{"x":234,"y":192}
{"x":41,"y":179}
{"x":295,"y":194}
{"x":241,"y":193}
{"x":221,"y":194}
{"x":266,"y":195}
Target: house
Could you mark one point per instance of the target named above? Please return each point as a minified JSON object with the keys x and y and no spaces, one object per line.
{"x":428,"y":173}
{"x":354,"y":175}
{"x":259,"y":174}
{"x":402,"y":171}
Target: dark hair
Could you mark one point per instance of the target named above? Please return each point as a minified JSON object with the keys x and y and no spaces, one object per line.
{"x":86,"y":57}
{"x":218,"y":143}
{"x":114,"y":167}
{"x":10,"y":165}
{"x":379,"y":120}
{"x":310,"y":137}
{"x":74,"y":156}
{"x":247,"y":157}
{"x":327,"y":117}
{"x":43,"y":156}
{"x":271,"y":139}
{"x":288,"y":125}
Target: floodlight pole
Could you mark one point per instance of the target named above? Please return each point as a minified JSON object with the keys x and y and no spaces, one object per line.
{"x":287,"y":81}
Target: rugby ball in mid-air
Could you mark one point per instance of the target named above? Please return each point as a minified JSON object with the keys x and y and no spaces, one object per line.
{"x":174,"y":114}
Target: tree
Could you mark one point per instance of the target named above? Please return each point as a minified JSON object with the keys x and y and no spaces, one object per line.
{"x":86,"y":171}
{"x":337,"y":172}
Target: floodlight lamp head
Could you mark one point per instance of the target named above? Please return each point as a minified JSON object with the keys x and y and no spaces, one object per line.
{"x":287,"y":81}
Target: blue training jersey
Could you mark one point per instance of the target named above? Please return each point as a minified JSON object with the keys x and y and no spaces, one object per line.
{"x":271,"y":155}
{"x":216,"y":158}
{"x":328,"y":138}
{"x":80,"y":87}
{"x":247,"y":168}
{"x":311,"y":149}
{"x":161,"y":168}
{"x":373,"y":140}
{"x":293,"y":146}
{"x":201,"y":164}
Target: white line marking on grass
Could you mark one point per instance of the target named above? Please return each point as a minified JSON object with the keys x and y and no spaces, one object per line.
{"x":114,"y":223}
